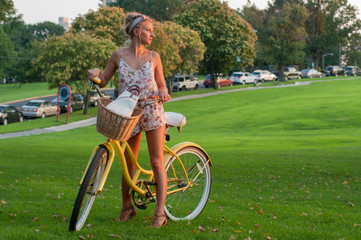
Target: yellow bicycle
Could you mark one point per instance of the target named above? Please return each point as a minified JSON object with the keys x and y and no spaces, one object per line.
{"x":188,"y":176}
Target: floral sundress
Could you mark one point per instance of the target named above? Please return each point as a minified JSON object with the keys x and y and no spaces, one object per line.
{"x":143,"y":77}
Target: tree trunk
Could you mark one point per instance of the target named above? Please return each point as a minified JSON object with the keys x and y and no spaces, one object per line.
{"x":86,"y":103}
{"x":281,"y":73}
{"x":214,"y":75}
{"x":317,"y":60}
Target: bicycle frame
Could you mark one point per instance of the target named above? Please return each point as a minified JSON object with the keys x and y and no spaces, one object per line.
{"x":124,"y":146}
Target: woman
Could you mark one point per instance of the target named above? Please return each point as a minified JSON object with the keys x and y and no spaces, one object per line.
{"x":141,"y":67}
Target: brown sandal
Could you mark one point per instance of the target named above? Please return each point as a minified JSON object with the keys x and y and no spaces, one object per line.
{"x":158,"y":216}
{"x":130,"y":216}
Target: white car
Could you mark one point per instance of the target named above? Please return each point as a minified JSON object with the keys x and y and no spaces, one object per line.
{"x":264,"y":75}
{"x":185,"y":82}
{"x":243,"y":78}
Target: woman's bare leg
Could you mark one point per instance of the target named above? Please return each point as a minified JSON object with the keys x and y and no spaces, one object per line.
{"x":128,"y":210}
{"x":155,"y":140}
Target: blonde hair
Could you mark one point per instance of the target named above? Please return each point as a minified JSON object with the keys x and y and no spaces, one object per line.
{"x":130,"y":18}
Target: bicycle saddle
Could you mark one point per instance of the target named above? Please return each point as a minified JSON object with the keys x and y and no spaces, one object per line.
{"x":175,"y":120}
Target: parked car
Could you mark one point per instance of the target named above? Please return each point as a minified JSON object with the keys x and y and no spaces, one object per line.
{"x":353,"y":71}
{"x":221,"y":81}
{"x":264,"y":75}
{"x":334,"y":71}
{"x":94,"y":96}
{"x":243,"y":78}
{"x":9,"y":114}
{"x":38,"y":108}
{"x":76,"y":103}
{"x":289,"y":73}
{"x":185,"y":82}
{"x":311,"y":73}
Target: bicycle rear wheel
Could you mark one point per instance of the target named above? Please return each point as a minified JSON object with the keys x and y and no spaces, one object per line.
{"x":87,"y":191}
{"x":190,"y":201}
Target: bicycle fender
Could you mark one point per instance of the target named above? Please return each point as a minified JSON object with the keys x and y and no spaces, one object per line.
{"x":177,"y":147}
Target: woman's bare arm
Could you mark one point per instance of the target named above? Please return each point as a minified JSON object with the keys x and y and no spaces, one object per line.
{"x":159,"y":78}
{"x":109,"y":70}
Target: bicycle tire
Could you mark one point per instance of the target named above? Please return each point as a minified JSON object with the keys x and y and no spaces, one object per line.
{"x":189,"y":203}
{"x":86,"y":195}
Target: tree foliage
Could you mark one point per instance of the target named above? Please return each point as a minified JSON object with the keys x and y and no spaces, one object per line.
{"x":6,"y":52}
{"x":255,"y":17}
{"x":225,"y":34}
{"x":7,"y":10}
{"x":27,"y":39}
{"x":282,"y":37}
{"x":106,"y":22}
{"x":331,"y":24}
{"x":181,"y":49}
{"x":161,"y":10}
{"x":66,"y":59}
{"x":190,"y":46}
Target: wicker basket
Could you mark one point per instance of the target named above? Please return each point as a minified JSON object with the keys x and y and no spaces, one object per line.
{"x":115,"y":126}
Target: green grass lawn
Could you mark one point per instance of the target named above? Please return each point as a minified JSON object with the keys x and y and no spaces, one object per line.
{"x":286,"y":166}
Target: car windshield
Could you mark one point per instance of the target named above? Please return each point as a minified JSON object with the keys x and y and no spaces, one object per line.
{"x":34,"y":104}
{"x":348,"y":68}
{"x":305,"y":70}
{"x":256,"y":73}
{"x":328,"y":68}
{"x":236,"y":74}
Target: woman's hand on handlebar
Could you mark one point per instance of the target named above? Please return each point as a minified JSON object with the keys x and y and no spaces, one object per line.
{"x":93,"y":75}
{"x":163,"y":95}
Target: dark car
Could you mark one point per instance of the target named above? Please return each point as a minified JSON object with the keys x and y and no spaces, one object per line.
{"x":76,"y":103}
{"x":311,"y":73}
{"x":9,"y":114}
{"x":353,"y":71}
{"x":334,"y":71}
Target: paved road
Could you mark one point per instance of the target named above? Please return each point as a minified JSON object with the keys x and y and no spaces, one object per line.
{"x":92,"y":121}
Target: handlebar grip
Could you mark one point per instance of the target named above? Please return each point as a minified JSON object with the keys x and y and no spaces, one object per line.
{"x":96,"y":80}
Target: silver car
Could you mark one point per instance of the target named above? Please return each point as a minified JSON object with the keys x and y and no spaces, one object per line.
{"x":38,"y":108}
{"x":243,"y":78}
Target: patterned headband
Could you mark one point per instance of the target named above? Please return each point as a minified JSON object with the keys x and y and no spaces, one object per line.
{"x":136,"y":21}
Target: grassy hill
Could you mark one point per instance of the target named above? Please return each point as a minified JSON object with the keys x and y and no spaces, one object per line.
{"x":286,"y":166}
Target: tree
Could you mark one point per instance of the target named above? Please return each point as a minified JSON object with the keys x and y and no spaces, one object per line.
{"x":27,"y":39}
{"x":161,"y":10}
{"x":66,"y":59}
{"x":255,"y":17}
{"x":330,"y":24}
{"x":225,"y":34}
{"x":189,"y":46}
{"x":106,"y":22}
{"x":354,"y":50}
{"x":6,"y":52}
{"x":282,"y":37}
{"x":252,"y":15}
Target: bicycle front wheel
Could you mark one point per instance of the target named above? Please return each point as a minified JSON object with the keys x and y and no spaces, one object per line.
{"x":186,"y":200}
{"x":88,"y":190}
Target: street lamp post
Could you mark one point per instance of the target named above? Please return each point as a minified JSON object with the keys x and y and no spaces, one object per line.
{"x":323,"y":59}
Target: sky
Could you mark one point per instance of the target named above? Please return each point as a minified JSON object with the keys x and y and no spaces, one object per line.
{"x":35,"y":11}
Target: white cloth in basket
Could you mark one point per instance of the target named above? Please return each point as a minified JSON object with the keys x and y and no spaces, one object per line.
{"x":124,"y":104}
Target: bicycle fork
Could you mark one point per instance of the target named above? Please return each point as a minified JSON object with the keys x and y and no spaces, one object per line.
{"x":110,"y":159}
